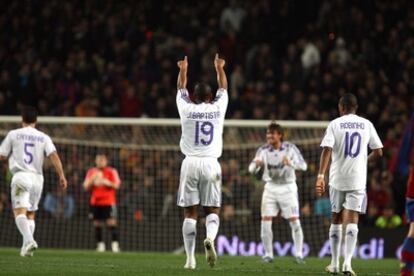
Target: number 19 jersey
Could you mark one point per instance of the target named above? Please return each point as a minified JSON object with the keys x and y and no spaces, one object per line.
{"x":27,"y":147}
{"x":349,"y":136}
{"x":202,"y":124}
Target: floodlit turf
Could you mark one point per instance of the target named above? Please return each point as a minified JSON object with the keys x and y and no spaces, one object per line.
{"x":76,"y":262}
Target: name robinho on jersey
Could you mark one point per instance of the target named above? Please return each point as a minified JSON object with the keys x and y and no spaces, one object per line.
{"x":352,"y":125}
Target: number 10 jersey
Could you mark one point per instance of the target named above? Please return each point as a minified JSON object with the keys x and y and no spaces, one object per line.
{"x":26,"y":148}
{"x":202,"y":124}
{"x":349,"y":136}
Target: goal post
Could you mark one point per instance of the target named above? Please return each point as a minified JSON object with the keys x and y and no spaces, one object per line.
{"x":147,"y":156}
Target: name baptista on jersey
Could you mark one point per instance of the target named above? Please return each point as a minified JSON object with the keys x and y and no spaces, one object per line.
{"x":204,"y":115}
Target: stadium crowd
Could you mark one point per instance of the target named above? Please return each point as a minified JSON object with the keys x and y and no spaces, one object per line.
{"x":286,"y":60}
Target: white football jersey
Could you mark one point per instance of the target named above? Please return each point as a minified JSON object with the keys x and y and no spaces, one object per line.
{"x":202,"y":124}
{"x":274,"y":170}
{"x":349,"y":136}
{"x":26,"y":148}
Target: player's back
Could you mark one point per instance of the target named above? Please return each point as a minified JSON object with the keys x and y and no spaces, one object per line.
{"x":28,"y":147}
{"x":202,"y":126}
{"x":349,"y":136}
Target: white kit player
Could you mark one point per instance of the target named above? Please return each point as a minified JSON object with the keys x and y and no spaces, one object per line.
{"x":25,"y":148}
{"x":278,"y":161}
{"x":201,"y":143}
{"x":346,"y":140}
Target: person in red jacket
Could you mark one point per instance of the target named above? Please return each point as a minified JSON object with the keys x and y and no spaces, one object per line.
{"x":103,"y":181}
{"x":407,"y":250}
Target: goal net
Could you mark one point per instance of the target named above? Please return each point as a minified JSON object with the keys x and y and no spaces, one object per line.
{"x":147,"y":156}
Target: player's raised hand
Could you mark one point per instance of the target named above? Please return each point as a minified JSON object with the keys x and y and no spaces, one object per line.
{"x":320,"y":186}
{"x":183,"y":64}
{"x":219,"y":62}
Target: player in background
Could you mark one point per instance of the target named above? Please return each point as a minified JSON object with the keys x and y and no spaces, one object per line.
{"x":202,"y":144}
{"x":345,"y":145}
{"x":26,"y":148}
{"x":407,"y":251}
{"x":103,"y":181}
{"x":278,"y":159}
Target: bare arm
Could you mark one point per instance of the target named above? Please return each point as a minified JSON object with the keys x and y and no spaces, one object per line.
{"x":2,"y":157}
{"x":323,"y":166}
{"x":221,"y":75}
{"x":111,"y":184}
{"x":374,"y":155}
{"x":54,"y":157}
{"x":182,"y":75}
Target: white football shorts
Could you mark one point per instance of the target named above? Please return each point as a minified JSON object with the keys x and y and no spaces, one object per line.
{"x":200,"y":182}
{"x":355,"y":200}
{"x":280,"y":198}
{"x":26,"y":190}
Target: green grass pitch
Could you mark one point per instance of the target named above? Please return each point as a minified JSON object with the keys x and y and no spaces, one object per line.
{"x":77,"y":262}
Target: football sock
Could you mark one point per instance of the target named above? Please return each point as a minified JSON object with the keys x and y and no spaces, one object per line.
{"x":98,"y":233}
{"x":32,"y":225}
{"x":189,"y":236}
{"x":114,"y":233}
{"x":297,"y":236}
{"x":407,"y":257}
{"x":23,"y":226}
{"x":335,"y":237}
{"x":212,"y":226}
{"x":351,"y":237}
{"x":267,"y":238}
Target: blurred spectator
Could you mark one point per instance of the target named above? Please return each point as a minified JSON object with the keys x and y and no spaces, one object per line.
{"x":378,"y":194}
{"x":311,"y":56}
{"x":59,"y":204}
{"x":227,"y":207}
{"x":388,"y":219}
{"x":371,"y":216}
{"x":4,"y":202}
{"x":322,"y":207}
{"x":231,"y":18}
{"x":339,"y":56}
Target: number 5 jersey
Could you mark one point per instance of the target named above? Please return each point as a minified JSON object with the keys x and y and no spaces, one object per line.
{"x":349,"y":136}
{"x":26,"y":148}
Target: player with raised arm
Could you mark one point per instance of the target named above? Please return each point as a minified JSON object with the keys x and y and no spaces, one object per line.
{"x":103,"y":181}
{"x":26,"y":148}
{"x":278,"y":159}
{"x":201,"y":142}
{"x":345,"y":145}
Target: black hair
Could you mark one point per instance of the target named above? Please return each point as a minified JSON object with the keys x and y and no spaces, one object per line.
{"x":202,"y":92}
{"x":349,"y":102}
{"x":273,"y":126}
{"x":29,"y":114}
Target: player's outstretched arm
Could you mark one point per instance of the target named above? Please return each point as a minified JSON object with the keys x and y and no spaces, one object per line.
{"x":255,"y":166}
{"x":221,"y":75}
{"x":374,"y":155}
{"x":182,"y":75}
{"x":54,"y":157}
{"x":323,"y":166}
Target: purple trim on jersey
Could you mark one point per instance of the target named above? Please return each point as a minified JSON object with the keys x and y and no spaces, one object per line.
{"x":218,"y":95}
{"x":409,"y":209}
{"x":184,"y":95}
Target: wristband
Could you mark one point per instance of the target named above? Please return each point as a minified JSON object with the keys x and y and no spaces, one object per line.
{"x":321,"y":175}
